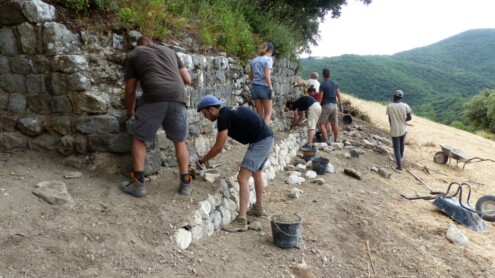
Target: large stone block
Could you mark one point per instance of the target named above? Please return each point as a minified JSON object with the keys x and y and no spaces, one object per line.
{"x":11,"y":13}
{"x":44,"y":142}
{"x":69,"y":63}
{"x":60,"y":104}
{"x":17,"y":104}
{"x":106,"y":142}
{"x":7,"y":123}
{"x":57,"y":83}
{"x":20,"y":64}
{"x":39,"y":103}
{"x":8,"y":42}
{"x":199,"y":61}
{"x":4,"y":65}
{"x":36,"y":83}
{"x":57,"y":39}
{"x":58,"y":125}
{"x":13,"y":83}
{"x":90,"y":102}
{"x":40,"y":64}
{"x":12,"y":140}
{"x":186,"y":60}
{"x":78,"y":82}
{"x":153,"y":162}
{"x":28,"y":37}
{"x":31,"y":126}
{"x":97,"y":124}
{"x":37,"y":11}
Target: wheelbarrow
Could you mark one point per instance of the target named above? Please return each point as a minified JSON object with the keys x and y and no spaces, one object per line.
{"x":450,"y":153}
{"x":462,"y":212}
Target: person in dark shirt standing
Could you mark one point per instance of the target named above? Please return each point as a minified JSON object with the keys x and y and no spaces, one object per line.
{"x":302,"y":104}
{"x":330,"y":102}
{"x":163,"y":103}
{"x":247,"y":127}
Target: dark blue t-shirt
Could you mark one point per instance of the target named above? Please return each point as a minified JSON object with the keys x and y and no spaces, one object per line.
{"x":329,"y":89}
{"x":243,"y":124}
{"x":303,"y":103}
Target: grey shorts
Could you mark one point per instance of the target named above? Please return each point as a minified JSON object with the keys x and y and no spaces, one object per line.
{"x":260,"y":92}
{"x":172,"y":116}
{"x":328,"y":112}
{"x":257,"y":154}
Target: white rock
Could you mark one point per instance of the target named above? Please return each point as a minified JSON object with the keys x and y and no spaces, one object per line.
{"x":295,"y":180}
{"x":301,"y":167}
{"x":347,"y":155}
{"x":311,"y":174}
{"x":294,"y":173}
{"x":73,"y":175}
{"x":216,"y":219}
{"x":339,"y":145}
{"x":330,"y":168}
{"x":319,"y":181}
{"x":295,"y":192}
{"x":197,"y":233}
{"x":211,"y":177}
{"x":456,"y":236}
{"x":183,"y":238}
{"x":205,"y":207}
{"x":290,"y":167}
{"x":226,"y":215}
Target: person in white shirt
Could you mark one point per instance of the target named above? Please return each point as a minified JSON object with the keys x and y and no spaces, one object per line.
{"x":313,"y":80}
{"x":398,"y":114}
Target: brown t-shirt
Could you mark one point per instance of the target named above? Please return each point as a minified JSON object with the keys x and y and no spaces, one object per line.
{"x":157,"y":68}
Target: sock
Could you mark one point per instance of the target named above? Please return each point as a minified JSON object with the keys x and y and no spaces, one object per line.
{"x":184,"y":178}
{"x":139,"y":176}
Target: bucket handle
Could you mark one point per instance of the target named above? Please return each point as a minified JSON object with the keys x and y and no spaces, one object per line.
{"x":278,"y":228}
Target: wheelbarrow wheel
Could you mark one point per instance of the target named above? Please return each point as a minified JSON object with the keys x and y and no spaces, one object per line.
{"x":440,"y":158}
{"x":486,"y":203}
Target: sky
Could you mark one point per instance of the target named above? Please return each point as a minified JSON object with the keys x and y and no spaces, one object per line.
{"x":385,"y":27}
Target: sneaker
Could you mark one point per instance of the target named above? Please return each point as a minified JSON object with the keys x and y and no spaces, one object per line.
{"x":134,"y":188}
{"x":256,"y":210}
{"x":186,"y":188}
{"x":398,"y":170}
{"x":238,"y":225}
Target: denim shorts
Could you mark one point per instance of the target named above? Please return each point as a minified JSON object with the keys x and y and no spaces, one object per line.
{"x":172,"y":116}
{"x":260,"y":92}
{"x":257,"y":154}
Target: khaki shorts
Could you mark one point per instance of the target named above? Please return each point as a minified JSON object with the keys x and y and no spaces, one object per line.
{"x":328,"y":112}
{"x":314,"y":112}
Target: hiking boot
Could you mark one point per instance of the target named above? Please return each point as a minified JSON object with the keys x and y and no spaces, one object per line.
{"x":398,"y":170}
{"x":134,"y":188}
{"x":256,"y":210}
{"x":238,"y":225}
{"x":186,"y":188}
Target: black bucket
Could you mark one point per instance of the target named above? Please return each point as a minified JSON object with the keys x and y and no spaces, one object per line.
{"x":320,"y":165}
{"x":308,"y":153}
{"x":347,"y":120}
{"x":286,"y":230}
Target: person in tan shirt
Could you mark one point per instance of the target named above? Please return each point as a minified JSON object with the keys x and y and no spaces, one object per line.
{"x":398,"y":114}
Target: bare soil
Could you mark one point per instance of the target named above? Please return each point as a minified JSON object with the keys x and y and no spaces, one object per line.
{"x":350,"y":228}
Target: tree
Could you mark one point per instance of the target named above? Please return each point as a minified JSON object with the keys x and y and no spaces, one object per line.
{"x":480,"y":111}
{"x":303,"y":16}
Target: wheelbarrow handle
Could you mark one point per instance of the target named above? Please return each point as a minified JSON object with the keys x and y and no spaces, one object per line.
{"x":419,"y":197}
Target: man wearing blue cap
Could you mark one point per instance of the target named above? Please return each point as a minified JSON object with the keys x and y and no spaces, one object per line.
{"x":247,"y":127}
{"x":163,"y":78}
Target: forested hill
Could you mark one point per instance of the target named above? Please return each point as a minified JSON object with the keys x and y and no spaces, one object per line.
{"x":437,"y":79}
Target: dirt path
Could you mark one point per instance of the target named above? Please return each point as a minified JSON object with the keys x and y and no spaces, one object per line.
{"x":109,"y":234}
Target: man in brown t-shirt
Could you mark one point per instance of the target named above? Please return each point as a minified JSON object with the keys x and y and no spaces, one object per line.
{"x":163,"y":78}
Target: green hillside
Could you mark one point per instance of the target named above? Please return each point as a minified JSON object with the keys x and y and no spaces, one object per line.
{"x":437,"y":79}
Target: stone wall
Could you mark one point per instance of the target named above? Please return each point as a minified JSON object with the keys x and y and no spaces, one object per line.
{"x":63,"y":91}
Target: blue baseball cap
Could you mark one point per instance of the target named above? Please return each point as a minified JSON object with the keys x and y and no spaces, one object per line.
{"x":208,"y":101}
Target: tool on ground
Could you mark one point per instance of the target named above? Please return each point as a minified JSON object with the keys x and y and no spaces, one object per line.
{"x":460,"y":211}
{"x":200,"y":171}
{"x":450,"y":153}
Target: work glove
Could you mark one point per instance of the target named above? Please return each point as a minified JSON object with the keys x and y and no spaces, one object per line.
{"x":199,"y":165}
{"x":128,"y":125}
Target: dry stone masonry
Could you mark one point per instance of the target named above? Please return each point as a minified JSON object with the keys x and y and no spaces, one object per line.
{"x":62,"y":91}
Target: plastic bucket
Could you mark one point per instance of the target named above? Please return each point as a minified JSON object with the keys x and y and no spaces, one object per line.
{"x":320,"y":165}
{"x":347,"y":120}
{"x":308,"y":153}
{"x":286,"y":230}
